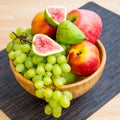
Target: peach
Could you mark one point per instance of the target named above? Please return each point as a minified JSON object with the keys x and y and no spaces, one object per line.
{"x":84,"y":58}
{"x":40,"y":25}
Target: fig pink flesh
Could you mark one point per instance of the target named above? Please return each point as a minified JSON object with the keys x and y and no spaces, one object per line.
{"x":44,"y":45}
{"x":57,"y":14}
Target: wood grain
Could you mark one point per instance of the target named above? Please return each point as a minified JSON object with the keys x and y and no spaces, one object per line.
{"x":19,"y":13}
{"x":110,"y":111}
{"x":3,"y":116}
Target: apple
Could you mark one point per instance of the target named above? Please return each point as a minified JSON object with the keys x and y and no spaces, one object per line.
{"x":40,"y":25}
{"x":83,"y":58}
{"x":88,"y":22}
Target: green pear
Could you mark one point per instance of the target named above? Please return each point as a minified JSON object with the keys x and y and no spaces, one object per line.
{"x":68,"y":33}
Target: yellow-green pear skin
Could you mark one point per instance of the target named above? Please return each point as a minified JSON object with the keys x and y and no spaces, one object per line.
{"x":68,"y":33}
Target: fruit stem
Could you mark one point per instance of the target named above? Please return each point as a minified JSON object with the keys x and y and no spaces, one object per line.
{"x":22,"y":38}
{"x":80,"y":52}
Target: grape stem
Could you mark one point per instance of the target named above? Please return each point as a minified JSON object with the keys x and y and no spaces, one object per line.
{"x":22,"y":38}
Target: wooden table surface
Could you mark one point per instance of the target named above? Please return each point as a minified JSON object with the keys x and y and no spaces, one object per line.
{"x":12,"y":16}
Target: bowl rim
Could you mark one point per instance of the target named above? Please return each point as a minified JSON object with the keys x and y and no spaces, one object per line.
{"x":102,"y":64}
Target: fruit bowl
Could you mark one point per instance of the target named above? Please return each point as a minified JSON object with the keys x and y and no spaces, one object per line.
{"x":78,"y":88}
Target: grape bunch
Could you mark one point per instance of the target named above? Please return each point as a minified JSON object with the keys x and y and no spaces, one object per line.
{"x":45,"y":72}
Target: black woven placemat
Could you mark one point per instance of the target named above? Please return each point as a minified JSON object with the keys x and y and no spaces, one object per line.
{"x":19,"y":105}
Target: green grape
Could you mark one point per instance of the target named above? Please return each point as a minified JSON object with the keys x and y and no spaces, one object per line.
{"x":26,"y":76}
{"x":28,"y":62}
{"x":19,"y":31}
{"x":37,"y":59}
{"x":55,"y":76}
{"x":57,"y":69}
{"x":48,"y":109}
{"x":11,"y":55}
{"x":21,"y":58}
{"x":31,"y":53}
{"x":17,"y":46}
{"x":53,"y":103}
{"x":65,"y":68}
{"x":61,"y":59}
{"x":25,"y":70}
{"x":43,"y":71}
{"x":16,"y":41}
{"x":69,"y":77}
{"x":12,"y":36}
{"x":59,"y":78}
{"x":58,"y":82}
{"x":68,"y":94}
{"x":39,"y":84}
{"x":9,"y":46}
{"x":28,"y":32}
{"x":36,"y":78}
{"x":51,"y":59}
{"x":29,"y":38}
{"x":47,"y":81}
{"x":63,"y":80}
{"x":19,"y":67}
{"x":57,"y":111}
{"x":48,"y":74}
{"x":48,"y":67}
{"x":31,"y":72}
{"x":57,"y":94}
{"x":17,"y":53}
{"x":64,"y":101}
{"x":26,"y":48}
{"x":42,"y":64}
{"x":15,"y":63}
{"x":40,"y":70}
{"x":40,"y":93}
{"x":47,"y":99}
{"x":48,"y":92}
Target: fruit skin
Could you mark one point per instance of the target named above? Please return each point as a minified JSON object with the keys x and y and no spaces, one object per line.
{"x":88,"y":22}
{"x":55,"y":14}
{"x":40,"y":25}
{"x":84,"y":58}
{"x":68,"y":33}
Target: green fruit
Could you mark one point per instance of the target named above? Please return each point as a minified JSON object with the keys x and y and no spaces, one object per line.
{"x":48,"y":109}
{"x":70,"y":77}
{"x":55,"y":14}
{"x":68,"y":33}
{"x":43,"y":45}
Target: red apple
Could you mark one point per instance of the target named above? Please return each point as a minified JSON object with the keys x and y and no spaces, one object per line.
{"x":84,"y":58}
{"x":40,"y":25}
{"x":88,"y":22}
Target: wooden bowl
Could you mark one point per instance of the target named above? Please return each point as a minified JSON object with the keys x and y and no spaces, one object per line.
{"x":78,"y":88}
